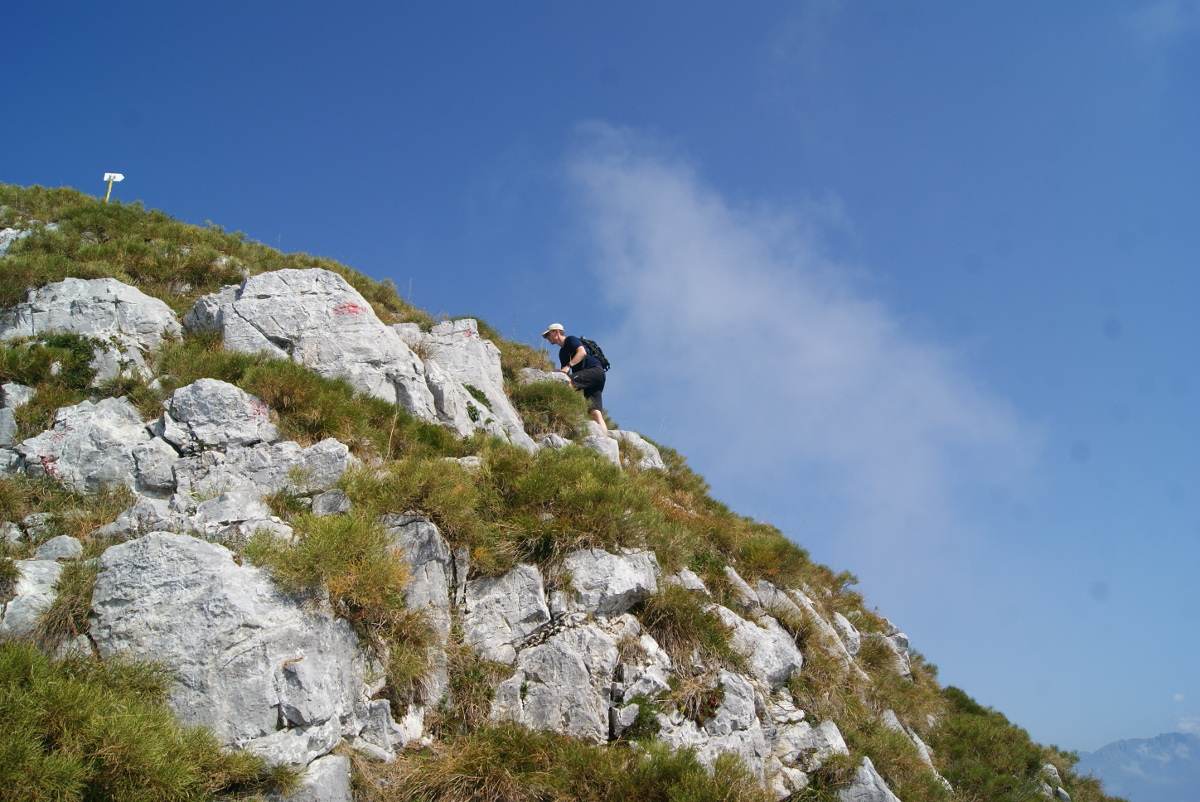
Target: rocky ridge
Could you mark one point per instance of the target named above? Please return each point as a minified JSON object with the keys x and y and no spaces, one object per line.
{"x":571,"y":641}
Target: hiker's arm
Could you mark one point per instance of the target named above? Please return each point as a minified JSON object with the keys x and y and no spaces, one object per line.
{"x":580,"y":355}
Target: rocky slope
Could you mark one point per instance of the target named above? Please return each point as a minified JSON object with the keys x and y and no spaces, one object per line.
{"x":665,"y":620}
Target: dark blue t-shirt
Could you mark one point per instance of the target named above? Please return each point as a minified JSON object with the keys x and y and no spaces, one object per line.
{"x":567,"y":351}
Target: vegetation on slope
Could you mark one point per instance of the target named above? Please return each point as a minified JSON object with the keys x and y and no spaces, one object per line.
{"x":516,"y":508}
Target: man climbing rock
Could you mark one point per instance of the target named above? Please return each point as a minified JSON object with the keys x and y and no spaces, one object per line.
{"x":587,"y":374}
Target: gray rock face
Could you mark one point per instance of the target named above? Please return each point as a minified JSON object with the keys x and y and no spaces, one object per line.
{"x":10,"y":235}
{"x":130,"y":322}
{"x":34,"y":593}
{"x":428,"y":556}
{"x":501,"y":611}
{"x":849,"y":634}
{"x":867,"y":786}
{"x":466,"y":358}
{"x":89,"y":446}
{"x":260,"y":668}
{"x":562,"y":684}
{"x":770,"y":650}
{"x":262,"y":468}
{"x":331,"y":502}
{"x":650,"y":459}
{"x":609,"y":584}
{"x":326,"y":779}
{"x":209,"y":413}
{"x":63,"y":547}
{"x":532,"y":375}
{"x":599,"y":441}
{"x":8,"y":427}
{"x":316,"y":318}
{"x":734,"y":727}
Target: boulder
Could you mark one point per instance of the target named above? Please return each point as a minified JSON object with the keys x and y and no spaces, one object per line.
{"x":803,"y":746}
{"x":34,"y":593}
{"x":331,"y":502}
{"x":599,"y":441}
{"x":650,"y":459}
{"x":8,"y":427}
{"x":209,"y":413}
{"x":15,"y":396}
{"x":503,"y":610}
{"x":606,"y":584}
{"x":90,"y":445}
{"x":467,"y":359}
{"x":317,"y":319}
{"x":432,"y":565}
{"x":562,"y":684}
{"x":688,"y":579}
{"x":251,"y":663}
{"x":63,"y":547}
{"x":127,"y":320}
{"x":769,"y":649}
{"x":326,"y":779}
{"x":532,"y":375}
{"x":554,"y":441}
{"x":10,"y":235}
{"x":866,"y":786}
{"x":263,"y":468}
{"x":734,"y":727}
{"x":849,"y":634}
{"x":148,"y":515}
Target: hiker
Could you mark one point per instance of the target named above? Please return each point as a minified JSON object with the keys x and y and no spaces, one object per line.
{"x":586,"y":372}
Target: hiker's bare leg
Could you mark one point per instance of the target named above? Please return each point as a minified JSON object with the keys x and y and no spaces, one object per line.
{"x":598,"y":417}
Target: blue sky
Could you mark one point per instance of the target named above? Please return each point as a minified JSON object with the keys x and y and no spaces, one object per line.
{"x":915,"y":282}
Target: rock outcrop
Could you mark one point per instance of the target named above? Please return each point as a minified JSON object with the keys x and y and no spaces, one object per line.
{"x":127,"y":323}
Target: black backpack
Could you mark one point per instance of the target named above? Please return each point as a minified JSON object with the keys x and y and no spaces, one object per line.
{"x":595,"y":351}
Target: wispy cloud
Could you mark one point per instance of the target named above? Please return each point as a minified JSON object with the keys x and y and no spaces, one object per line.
{"x":1163,"y":22}
{"x":740,"y":326}
{"x":1189,"y":724}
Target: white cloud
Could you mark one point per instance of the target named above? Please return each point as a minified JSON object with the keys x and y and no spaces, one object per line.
{"x":735,"y":323}
{"x":1179,"y":697}
{"x":1189,"y":724}
{"x":1163,"y":22}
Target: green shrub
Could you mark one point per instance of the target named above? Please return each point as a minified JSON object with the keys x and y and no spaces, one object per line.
{"x":67,"y":616}
{"x":678,"y":620}
{"x":77,"y":729}
{"x":550,"y":408}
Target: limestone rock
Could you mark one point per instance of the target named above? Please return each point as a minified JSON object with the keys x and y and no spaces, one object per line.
{"x":609,"y":584}
{"x":326,"y":779}
{"x":10,"y":235}
{"x":848,"y":633}
{"x":128,"y":321}
{"x":466,"y":358}
{"x":15,"y":396}
{"x":562,"y":684}
{"x":432,"y":565}
{"x":250,"y":661}
{"x":262,"y":468}
{"x":734,"y":727}
{"x":148,"y":515}
{"x":502,"y":610}
{"x":770,"y":650}
{"x":317,"y":319}
{"x":650,"y":459}
{"x":8,"y":427}
{"x":687,"y":578}
{"x":554,"y":441}
{"x":89,"y":446}
{"x":803,"y":746}
{"x":209,"y":413}
{"x":34,"y":593}
{"x":331,"y":502}
{"x":745,"y":594}
{"x":532,"y":375}
{"x":63,"y":547}
{"x":867,"y":786}
{"x":599,"y":441}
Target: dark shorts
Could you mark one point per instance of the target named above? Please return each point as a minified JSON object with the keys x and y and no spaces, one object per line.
{"x":591,"y":381}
